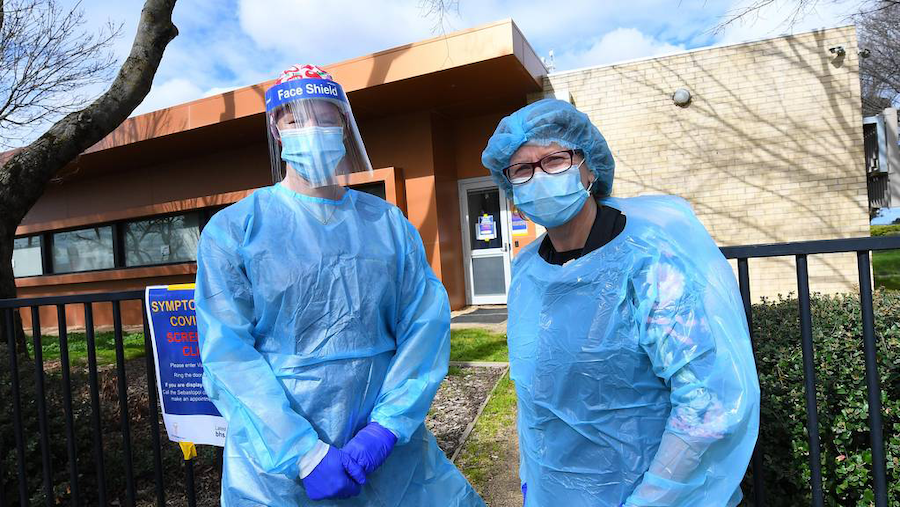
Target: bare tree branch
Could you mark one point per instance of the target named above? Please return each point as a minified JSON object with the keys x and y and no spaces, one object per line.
{"x":46,"y":61}
{"x":879,"y":36}
{"x":438,"y":10}
{"x":25,"y":175}
{"x":878,"y":22}
{"x":751,"y":11}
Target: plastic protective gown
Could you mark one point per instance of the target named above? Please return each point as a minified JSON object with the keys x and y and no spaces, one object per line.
{"x":310,"y":331}
{"x":633,"y":367}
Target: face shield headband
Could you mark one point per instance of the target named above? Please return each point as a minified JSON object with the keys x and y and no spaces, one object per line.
{"x":297,"y":89}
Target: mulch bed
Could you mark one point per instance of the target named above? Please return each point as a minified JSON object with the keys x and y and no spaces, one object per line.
{"x":457,"y":402}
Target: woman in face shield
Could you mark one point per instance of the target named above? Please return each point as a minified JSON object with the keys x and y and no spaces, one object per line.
{"x":324,"y":333}
{"x":627,"y":337}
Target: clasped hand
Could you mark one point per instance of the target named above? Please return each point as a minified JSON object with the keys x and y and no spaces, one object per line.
{"x":342,"y":472}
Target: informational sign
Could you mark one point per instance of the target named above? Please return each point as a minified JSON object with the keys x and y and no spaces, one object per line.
{"x":187,"y":412}
{"x":485,"y":228}
{"x":519,"y":225}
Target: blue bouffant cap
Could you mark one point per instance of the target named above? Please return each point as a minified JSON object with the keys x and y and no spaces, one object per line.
{"x":544,"y":122}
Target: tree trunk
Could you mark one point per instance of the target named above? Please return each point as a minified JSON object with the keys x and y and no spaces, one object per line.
{"x":25,"y":175}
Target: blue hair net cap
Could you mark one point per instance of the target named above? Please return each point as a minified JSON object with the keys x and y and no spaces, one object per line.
{"x":544,"y":122}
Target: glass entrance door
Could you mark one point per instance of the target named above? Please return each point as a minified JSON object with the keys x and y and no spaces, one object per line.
{"x":485,"y":220}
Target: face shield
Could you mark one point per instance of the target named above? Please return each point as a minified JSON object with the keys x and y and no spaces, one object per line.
{"x":312,"y":131}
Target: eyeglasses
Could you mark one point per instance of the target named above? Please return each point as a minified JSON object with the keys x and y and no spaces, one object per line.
{"x":554,"y":163}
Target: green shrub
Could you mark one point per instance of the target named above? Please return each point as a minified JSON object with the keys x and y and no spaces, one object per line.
{"x":841,"y":394}
{"x":885,"y":230}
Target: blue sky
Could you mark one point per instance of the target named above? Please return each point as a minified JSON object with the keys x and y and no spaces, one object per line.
{"x":887,"y":216}
{"x":225,"y":44}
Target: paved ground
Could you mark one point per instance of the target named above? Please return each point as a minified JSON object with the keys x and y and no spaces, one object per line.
{"x":489,"y":317}
{"x":482,"y":315}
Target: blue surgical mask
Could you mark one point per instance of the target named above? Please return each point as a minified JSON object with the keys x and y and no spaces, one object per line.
{"x":314,"y":152}
{"x":551,"y":199}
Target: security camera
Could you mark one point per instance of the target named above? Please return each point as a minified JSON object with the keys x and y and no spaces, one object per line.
{"x":865,"y":53}
{"x":838,"y":51}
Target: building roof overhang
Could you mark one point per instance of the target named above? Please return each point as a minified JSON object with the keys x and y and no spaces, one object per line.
{"x":458,"y":74}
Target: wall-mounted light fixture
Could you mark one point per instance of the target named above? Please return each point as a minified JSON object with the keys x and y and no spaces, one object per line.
{"x":838,"y":51}
{"x":681,"y":97}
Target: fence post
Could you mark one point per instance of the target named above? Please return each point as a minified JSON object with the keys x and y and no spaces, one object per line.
{"x":759,"y":494}
{"x":67,"y":401}
{"x":874,"y":389}
{"x":809,"y":374}
{"x":154,"y":409}
{"x":123,"y":402}
{"x":95,"y":401}
{"x":42,"y":404}
{"x":17,"y":405}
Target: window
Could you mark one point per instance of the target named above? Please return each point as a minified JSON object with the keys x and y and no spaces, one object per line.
{"x":27,"y":259}
{"x":83,"y":250}
{"x":162,"y":240}
{"x":375,"y":188}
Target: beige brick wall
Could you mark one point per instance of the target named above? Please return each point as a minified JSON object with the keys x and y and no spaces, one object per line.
{"x":769,"y":150}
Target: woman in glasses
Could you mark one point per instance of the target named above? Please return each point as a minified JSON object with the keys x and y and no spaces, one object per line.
{"x":628,"y":343}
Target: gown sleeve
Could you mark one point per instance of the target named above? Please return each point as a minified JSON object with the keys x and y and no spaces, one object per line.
{"x":694,"y":332}
{"x":238,"y":380}
{"x":423,"y":343}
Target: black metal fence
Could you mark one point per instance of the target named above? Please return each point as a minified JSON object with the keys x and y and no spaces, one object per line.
{"x":800,"y":251}
{"x":88,"y":301}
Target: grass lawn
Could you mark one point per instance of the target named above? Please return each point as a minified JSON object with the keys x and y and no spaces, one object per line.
{"x":465,"y":345}
{"x":478,"y":345}
{"x":886,"y":266}
{"x":105,"y":345}
{"x":489,"y":444}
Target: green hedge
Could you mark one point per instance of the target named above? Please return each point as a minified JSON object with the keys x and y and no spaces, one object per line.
{"x":841,"y":394}
{"x":885,"y":230}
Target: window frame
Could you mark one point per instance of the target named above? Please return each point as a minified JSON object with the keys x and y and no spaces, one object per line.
{"x":50,"y":237}
{"x":201,"y":221}
{"x":118,"y":241}
{"x":43,"y":253}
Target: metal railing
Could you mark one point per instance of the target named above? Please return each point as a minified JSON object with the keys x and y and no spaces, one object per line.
{"x":800,"y":251}
{"x":88,"y":301}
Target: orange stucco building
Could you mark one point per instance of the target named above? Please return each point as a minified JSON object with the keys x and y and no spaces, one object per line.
{"x":127,"y":213}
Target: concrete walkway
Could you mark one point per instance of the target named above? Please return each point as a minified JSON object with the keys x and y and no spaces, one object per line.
{"x":488,"y":317}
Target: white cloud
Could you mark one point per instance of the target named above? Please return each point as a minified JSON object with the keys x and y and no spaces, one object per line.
{"x":169,"y":93}
{"x":778,"y":18}
{"x":219,"y":89}
{"x":615,"y":46}
{"x":320,"y":33}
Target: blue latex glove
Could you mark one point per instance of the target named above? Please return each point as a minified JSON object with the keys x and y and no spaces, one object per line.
{"x":524,"y":492}
{"x":371,"y":446}
{"x":336,"y":476}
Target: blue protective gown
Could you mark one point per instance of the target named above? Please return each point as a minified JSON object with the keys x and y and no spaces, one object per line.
{"x":635,"y":376}
{"x":310,"y":331}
